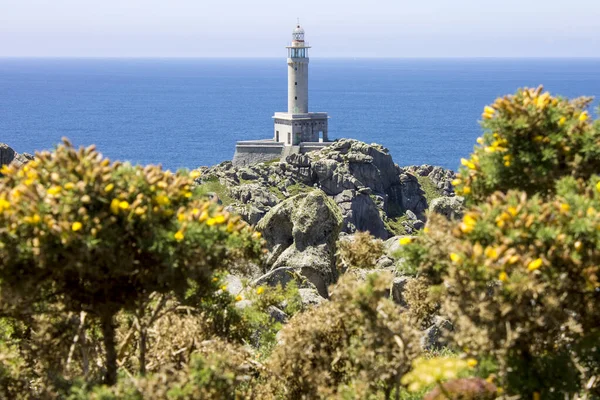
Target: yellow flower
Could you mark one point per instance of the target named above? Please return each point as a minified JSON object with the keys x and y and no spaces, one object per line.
{"x":455,"y":258}
{"x":488,"y":112}
{"x":69,"y":185}
{"x":114,"y":206}
{"x":472,"y":363}
{"x":4,"y":204}
{"x":215,"y":279}
{"x":139,"y":211}
{"x":405,"y":240}
{"x":179,"y":236}
{"x":512,"y":211}
{"x":76,"y":226}
{"x":260,"y":290}
{"x":562,"y":121}
{"x":54,"y":190}
{"x":238,"y":298}
{"x":162,"y":200}
{"x":542,"y":100}
{"x":180,"y":217}
{"x":564,"y":208}
{"x":503,"y":276}
{"x":583,"y":117}
{"x":224,"y":287}
{"x":5,"y":170}
{"x":219,"y":219}
{"x":468,"y":223}
{"x":491,"y":253}
{"x":466,"y":190}
{"x":535,"y":264}
{"x":194,"y":174}
{"x":468,"y":163}
{"x":456,"y":182}
{"x":507,"y":160}
{"x":108,"y":188}
{"x":123,"y":205}
{"x":480,"y":140}
{"x":513,"y":259}
{"x":187,"y":195}
{"x":590,"y":212}
{"x":598,"y":186}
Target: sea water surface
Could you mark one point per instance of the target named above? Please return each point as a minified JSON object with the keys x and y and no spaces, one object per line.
{"x":190,"y":112}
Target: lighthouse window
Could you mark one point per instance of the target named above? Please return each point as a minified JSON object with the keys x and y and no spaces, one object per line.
{"x":296,"y":98}
{"x":295,"y":68}
{"x":296,"y":83}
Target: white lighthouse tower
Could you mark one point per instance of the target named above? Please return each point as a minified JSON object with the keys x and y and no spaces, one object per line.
{"x":297,"y":131}
{"x":298,"y":125}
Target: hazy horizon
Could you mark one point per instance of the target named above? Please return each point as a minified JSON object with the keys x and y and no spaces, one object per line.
{"x":336,"y":29}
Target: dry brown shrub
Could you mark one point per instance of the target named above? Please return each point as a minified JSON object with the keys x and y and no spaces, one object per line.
{"x":361,"y":251}
{"x":359,"y":340}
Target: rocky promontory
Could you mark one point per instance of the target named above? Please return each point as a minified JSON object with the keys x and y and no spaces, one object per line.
{"x":371,"y":192}
{"x":8,"y":156}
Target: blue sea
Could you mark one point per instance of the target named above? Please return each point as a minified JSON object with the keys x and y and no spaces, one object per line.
{"x":190,"y":112}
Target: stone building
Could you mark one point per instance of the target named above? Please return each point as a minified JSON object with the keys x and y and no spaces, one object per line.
{"x":296,"y":131}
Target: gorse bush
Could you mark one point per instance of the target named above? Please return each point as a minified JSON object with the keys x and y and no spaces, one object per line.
{"x":100,"y":237}
{"x":357,"y":344}
{"x":361,"y":251}
{"x":531,"y":139}
{"x":518,"y":276}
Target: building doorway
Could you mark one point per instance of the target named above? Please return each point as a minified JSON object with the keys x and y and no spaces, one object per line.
{"x":320,"y":136}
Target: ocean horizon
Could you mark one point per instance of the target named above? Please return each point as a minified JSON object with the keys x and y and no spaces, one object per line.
{"x":188,"y":112}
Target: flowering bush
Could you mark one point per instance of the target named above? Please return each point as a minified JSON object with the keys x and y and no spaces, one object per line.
{"x":531,"y":139}
{"x":101,"y":236}
{"x":521,"y":281}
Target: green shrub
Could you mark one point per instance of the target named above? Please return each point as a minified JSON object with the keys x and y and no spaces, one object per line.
{"x":531,"y":140}
{"x":521,"y":283}
{"x":102,"y":237}
{"x":359,"y":340}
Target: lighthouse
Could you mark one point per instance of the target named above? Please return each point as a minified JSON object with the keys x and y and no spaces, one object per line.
{"x":298,"y":73}
{"x":298,"y":125}
{"x":298,"y":130}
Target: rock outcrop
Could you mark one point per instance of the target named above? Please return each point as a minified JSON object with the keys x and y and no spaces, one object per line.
{"x":301,"y":233}
{"x":449,"y":207}
{"x":9,"y":156}
{"x":370,"y":191}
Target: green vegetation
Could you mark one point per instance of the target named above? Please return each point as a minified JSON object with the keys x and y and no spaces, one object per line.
{"x":395,"y":226}
{"x":113,"y":283}
{"x":518,"y":276}
{"x":362,"y":251}
{"x":212,"y":185}
{"x":298,"y":188}
{"x":431,"y":191}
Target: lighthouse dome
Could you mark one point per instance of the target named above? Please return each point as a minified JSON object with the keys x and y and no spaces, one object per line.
{"x":298,"y":34}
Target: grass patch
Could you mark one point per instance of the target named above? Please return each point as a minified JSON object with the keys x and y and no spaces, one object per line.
{"x":212,"y":185}
{"x":431,"y":191}
{"x":395,"y":226}
{"x":275,"y":190}
{"x":273,"y":161}
{"x":298,"y":188}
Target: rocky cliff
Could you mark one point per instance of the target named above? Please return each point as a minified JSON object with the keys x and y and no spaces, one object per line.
{"x":372,"y":193}
{"x":9,"y":156}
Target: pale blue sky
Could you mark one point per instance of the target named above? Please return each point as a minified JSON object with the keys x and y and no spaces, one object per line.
{"x":335,"y":28}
